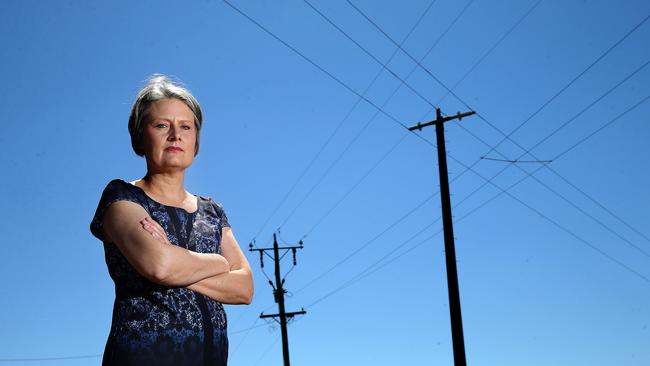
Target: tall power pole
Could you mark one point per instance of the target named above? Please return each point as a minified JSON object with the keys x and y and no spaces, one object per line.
{"x":279,"y":291}
{"x":448,"y":227}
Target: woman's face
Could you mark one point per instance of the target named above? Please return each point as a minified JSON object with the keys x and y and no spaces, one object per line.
{"x":169,"y":125}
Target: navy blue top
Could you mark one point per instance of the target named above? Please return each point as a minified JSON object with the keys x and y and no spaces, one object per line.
{"x":155,"y":324}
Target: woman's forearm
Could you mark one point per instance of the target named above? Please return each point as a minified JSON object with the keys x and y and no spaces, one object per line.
{"x":233,"y":287}
{"x":181,"y":267}
{"x":177,"y":266}
{"x":226,"y":278}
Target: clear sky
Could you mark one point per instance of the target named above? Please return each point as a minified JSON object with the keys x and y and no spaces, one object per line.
{"x":555,"y":271}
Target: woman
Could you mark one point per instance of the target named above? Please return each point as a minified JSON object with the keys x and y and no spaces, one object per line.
{"x":172,"y":255}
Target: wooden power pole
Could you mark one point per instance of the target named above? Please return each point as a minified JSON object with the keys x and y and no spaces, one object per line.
{"x":279,"y":291}
{"x":448,"y":227}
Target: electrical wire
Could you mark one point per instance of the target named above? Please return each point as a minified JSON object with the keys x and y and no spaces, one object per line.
{"x":507,"y":136}
{"x":375,"y":266}
{"x":355,"y":185}
{"x":367,"y":243}
{"x":581,"y":141}
{"x":402,"y":82}
{"x":546,"y":103}
{"x":584,"y":212}
{"x":481,"y":59}
{"x":40,"y":359}
{"x":395,"y":120}
{"x":360,"y":275}
{"x":597,"y":100}
{"x":246,"y":333}
{"x":340,"y":124}
{"x":266,"y":351}
{"x":492,"y":48}
{"x":373,"y":57}
{"x":366,"y":125}
{"x":527,"y":151}
{"x":369,"y":269}
{"x":474,"y":210}
{"x":555,"y":223}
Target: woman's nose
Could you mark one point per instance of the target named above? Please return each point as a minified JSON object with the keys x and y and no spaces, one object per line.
{"x":174,"y":133}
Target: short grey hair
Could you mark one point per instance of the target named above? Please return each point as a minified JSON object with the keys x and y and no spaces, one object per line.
{"x":159,"y":87}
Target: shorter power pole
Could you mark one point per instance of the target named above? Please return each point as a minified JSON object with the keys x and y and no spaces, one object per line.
{"x":279,"y":291}
{"x":448,"y":227}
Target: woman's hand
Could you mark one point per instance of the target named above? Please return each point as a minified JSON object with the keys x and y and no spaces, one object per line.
{"x":157,"y":231}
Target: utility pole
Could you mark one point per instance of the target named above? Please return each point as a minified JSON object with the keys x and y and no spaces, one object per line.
{"x":447,"y":224}
{"x":279,"y":291}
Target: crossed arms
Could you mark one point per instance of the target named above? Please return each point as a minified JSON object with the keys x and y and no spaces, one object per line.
{"x":226,"y":278}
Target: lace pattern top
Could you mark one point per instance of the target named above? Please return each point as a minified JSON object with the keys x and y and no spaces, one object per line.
{"x":156,"y":324}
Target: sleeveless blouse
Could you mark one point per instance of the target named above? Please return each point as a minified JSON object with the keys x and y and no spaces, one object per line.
{"x":154,"y":324}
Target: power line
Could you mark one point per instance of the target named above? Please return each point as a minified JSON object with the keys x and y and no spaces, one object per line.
{"x":62,"y":358}
{"x":249,"y":328}
{"x":50,"y":358}
{"x":371,"y":268}
{"x":597,"y":100}
{"x":383,"y":67}
{"x":371,"y":103}
{"x":361,"y":275}
{"x":581,"y":141}
{"x":599,"y":222}
{"x":361,"y":97}
{"x":507,"y":137}
{"x":373,"y":57}
{"x":555,"y":223}
{"x":385,"y":113}
{"x":395,"y":120}
{"x":492,"y":48}
{"x":402,"y":82}
{"x":340,"y":124}
{"x":267,"y":350}
{"x":516,"y":161}
{"x":502,"y":191}
{"x":618,"y":218}
{"x":449,"y":91}
{"x":611,"y":48}
{"x":355,"y":185}
{"x":367,"y":243}
{"x":481,"y":59}
{"x":527,"y":151}
{"x":411,"y":211}
{"x":360,"y":132}
{"x":375,"y":266}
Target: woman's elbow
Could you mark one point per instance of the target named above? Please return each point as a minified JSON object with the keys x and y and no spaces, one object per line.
{"x":248,"y":299}
{"x":159,"y":271}
{"x":249,"y":290}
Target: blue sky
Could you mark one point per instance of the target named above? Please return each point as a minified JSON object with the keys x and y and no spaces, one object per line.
{"x":553,"y":272}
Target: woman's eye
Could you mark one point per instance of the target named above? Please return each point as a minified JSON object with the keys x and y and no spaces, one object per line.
{"x":187,"y":127}
{"x":161,"y":125}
